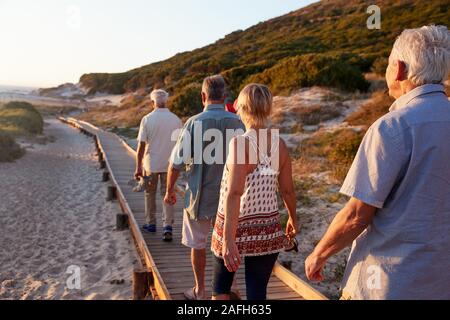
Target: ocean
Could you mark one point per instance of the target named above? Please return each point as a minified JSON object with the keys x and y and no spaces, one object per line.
{"x":9,"y":93}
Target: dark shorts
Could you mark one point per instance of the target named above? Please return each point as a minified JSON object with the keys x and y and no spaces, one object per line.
{"x":257,"y":274}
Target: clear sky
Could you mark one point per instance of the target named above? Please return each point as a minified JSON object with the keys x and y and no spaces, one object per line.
{"x":49,"y":42}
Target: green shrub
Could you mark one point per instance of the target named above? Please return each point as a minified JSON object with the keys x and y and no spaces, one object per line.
{"x":20,"y":118}
{"x":114,"y":83}
{"x":342,"y":154}
{"x":302,"y":185}
{"x":379,"y":65}
{"x":321,"y":143}
{"x":187,"y":101}
{"x":309,"y":70}
{"x":9,"y":149}
{"x":235,"y":77}
{"x":345,"y":150}
{"x":338,"y":147}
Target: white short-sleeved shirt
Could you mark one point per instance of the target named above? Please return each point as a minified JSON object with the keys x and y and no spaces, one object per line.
{"x":159,"y":131}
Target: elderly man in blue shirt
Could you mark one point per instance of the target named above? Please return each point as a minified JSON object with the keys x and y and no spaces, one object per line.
{"x":398,"y":217}
{"x":202,"y":150}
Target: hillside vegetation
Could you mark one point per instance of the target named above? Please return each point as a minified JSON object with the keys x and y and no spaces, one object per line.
{"x":326,"y":44}
{"x":17,"y":119}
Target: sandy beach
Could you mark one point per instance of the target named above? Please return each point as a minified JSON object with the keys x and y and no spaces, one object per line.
{"x":54,"y":215}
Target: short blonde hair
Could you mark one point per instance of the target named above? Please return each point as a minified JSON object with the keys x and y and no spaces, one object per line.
{"x":255,"y":104}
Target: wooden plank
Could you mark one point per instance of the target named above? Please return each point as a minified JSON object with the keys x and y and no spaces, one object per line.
{"x":297,"y":284}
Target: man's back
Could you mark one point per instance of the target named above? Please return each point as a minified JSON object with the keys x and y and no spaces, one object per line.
{"x":409,"y":238}
{"x":156,"y":130}
{"x":205,"y":174}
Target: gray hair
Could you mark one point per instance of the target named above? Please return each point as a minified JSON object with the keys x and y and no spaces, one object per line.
{"x":214,"y":87}
{"x":159,"y":97}
{"x":426,"y":53}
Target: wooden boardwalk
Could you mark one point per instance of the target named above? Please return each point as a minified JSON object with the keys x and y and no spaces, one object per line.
{"x":169,"y":263}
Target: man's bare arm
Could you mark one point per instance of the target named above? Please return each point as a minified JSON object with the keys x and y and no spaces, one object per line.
{"x":172,"y":177}
{"x":139,"y":157}
{"x":348,"y":224}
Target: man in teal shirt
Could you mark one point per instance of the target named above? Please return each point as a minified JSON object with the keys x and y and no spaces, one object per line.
{"x":201,"y":150}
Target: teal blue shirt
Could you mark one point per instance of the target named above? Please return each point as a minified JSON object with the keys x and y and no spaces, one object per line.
{"x":203,"y":184}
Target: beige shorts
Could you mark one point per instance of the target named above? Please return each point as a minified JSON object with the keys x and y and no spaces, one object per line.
{"x":195,"y":233}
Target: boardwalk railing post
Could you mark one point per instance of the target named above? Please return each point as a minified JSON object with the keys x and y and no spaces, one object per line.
{"x":121,"y":221}
{"x":142,"y":280}
{"x":111,"y":193}
{"x":105,"y":176}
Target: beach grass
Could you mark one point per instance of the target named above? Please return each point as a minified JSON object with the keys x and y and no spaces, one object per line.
{"x":17,"y":119}
{"x":370,"y":112}
{"x":10,"y":149}
{"x":20,"y":119}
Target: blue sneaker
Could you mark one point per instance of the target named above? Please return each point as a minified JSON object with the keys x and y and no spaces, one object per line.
{"x":167,"y":234}
{"x":151,"y":228}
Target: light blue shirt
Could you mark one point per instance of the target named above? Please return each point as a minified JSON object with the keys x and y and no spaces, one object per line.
{"x":403,"y":168}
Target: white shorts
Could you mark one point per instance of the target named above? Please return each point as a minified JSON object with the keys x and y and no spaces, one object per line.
{"x":195,"y":233}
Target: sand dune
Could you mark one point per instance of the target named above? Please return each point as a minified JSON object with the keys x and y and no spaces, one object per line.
{"x":53,"y":215}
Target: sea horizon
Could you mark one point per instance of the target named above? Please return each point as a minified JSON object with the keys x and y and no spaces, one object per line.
{"x":5,"y":88}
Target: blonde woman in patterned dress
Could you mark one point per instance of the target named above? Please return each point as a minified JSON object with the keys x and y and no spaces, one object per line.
{"x":247,"y":225}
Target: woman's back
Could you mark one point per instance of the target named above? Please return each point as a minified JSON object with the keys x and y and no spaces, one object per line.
{"x":259,"y":231}
{"x":259,"y":195}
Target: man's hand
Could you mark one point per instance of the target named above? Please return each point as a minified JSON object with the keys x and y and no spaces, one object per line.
{"x":139,"y":157}
{"x":138,"y":173}
{"x":346,"y":226}
{"x":170,"y":198}
{"x":313,"y":268}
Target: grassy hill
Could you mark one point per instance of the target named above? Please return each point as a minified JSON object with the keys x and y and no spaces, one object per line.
{"x":326,"y":43}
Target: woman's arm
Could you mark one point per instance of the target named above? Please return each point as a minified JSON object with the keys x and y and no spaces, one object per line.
{"x":236,"y":184}
{"x":287,"y":191}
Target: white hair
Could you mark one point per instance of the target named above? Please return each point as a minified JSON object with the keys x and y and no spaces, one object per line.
{"x":159,"y":97}
{"x":425,"y":52}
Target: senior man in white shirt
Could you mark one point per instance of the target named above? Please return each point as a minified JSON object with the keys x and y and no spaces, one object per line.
{"x":154,"y":149}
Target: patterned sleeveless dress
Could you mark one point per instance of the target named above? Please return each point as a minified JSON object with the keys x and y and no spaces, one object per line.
{"x":259,"y":230}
